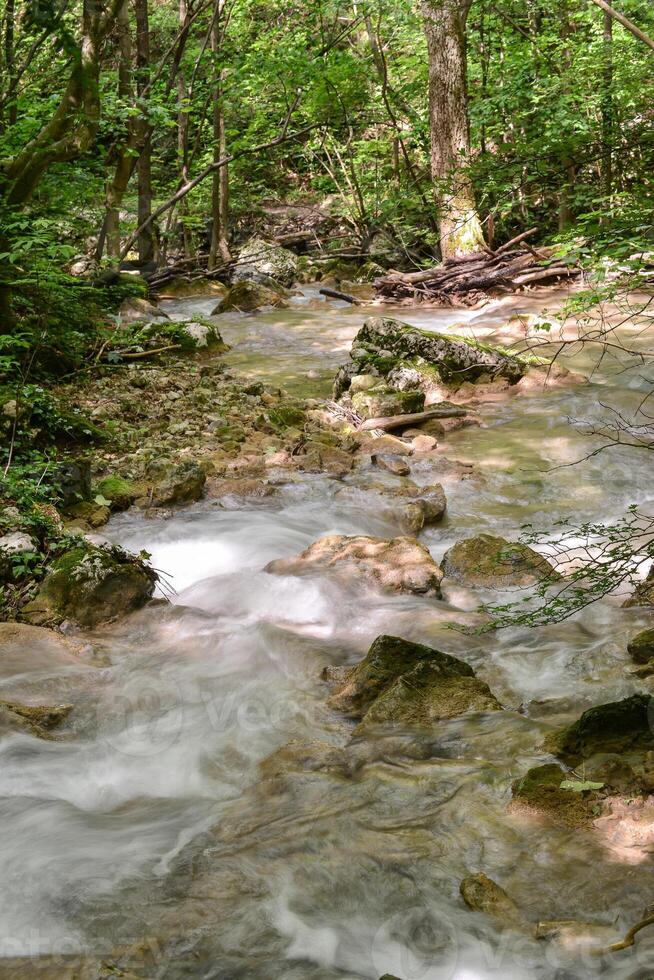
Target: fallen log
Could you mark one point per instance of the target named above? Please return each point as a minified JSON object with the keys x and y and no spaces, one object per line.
{"x":335,"y":294}
{"x":388,"y":422}
{"x":468,"y":280}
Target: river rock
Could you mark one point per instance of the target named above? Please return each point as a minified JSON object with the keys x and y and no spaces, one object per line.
{"x":363,"y":382}
{"x":382,"y":401}
{"x":495,"y":563}
{"x":177,"y":483}
{"x":181,"y":287}
{"x":134,"y":309}
{"x":539,"y":793}
{"x":246,"y":297}
{"x":482,"y":894}
{"x":412,"y":358}
{"x":617,"y":726}
{"x":25,"y":648}
{"x":384,"y":444}
{"x":644,"y":594}
{"x":640,"y":647}
{"x":423,"y":443}
{"x":91,"y":585}
{"x":36,"y":719}
{"x":394,"y":464}
{"x":260,"y":261}
{"x":400,"y":565}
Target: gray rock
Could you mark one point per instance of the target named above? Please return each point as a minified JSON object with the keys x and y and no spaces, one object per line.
{"x":260,"y":261}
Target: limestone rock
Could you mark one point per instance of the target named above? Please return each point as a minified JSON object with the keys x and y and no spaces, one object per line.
{"x":640,"y":647}
{"x":179,"y":483}
{"x":246,"y":297}
{"x":400,"y":565}
{"x":91,"y":585}
{"x":12,"y":546}
{"x":482,"y":894}
{"x":260,"y":261}
{"x":181,"y":287}
{"x":492,"y":562}
{"x":134,"y":309}
{"x":407,"y":684}
{"x":382,"y":401}
{"x":36,"y":719}
{"x":613,"y":727}
{"x":394,"y":464}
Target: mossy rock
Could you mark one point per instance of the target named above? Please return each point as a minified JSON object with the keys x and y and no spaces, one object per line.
{"x":539,"y":792}
{"x":409,"y":684}
{"x":36,"y":719}
{"x":383,"y":401}
{"x":641,"y":647}
{"x":120,"y":493}
{"x":288,"y":416}
{"x":492,"y":562}
{"x":93,"y":514}
{"x":261,"y":260}
{"x":617,"y":726}
{"x":91,"y":585}
{"x":246,"y":297}
{"x":177,"y":483}
{"x":457,"y":359}
{"x":190,"y":336}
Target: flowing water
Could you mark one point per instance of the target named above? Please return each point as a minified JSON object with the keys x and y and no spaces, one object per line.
{"x":155,"y":822}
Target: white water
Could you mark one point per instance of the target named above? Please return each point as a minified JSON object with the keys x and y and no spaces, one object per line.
{"x":153,"y":821}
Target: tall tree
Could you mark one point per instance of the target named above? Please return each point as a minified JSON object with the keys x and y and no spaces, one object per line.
{"x":445,"y":26}
{"x":147,"y":246}
{"x":219,"y":248}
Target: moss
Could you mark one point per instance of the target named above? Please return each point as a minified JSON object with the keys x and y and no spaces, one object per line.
{"x":284,"y":417}
{"x":492,"y":562}
{"x":539,"y":791}
{"x":120,"y":492}
{"x":613,"y":727}
{"x":641,"y":647}
{"x":94,"y":514}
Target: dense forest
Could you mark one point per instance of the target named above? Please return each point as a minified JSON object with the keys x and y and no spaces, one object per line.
{"x":326,"y":544}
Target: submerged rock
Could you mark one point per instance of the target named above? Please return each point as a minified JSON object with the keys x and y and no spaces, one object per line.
{"x":617,"y":726}
{"x":641,"y":647}
{"x":492,"y":562}
{"x":91,"y":585}
{"x":246,"y":297}
{"x":36,"y":719}
{"x":409,"y":684}
{"x":397,"y":565}
{"x":260,"y":261}
{"x":482,"y":894}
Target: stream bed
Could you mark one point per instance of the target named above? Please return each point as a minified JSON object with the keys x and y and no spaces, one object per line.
{"x":155,"y":821}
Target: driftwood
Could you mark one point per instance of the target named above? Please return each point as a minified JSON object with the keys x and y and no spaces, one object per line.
{"x":335,"y":294}
{"x":405,"y":421}
{"x":464,"y":281}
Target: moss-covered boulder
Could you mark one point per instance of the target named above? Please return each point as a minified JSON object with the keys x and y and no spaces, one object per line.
{"x":181,"y":287}
{"x":492,"y":562}
{"x":407,"y":684}
{"x":246,"y":297}
{"x":384,"y":345}
{"x":120,"y":493}
{"x":260,"y":260}
{"x":544,"y":791}
{"x":288,"y":415}
{"x":176,"y":483}
{"x":641,"y":647}
{"x":382,"y":401}
{"x":614,"y":727}
{"x":91,"y":585}
{"x":89,"y":513}
{"x":187,"y":336}
{"x":400,"y":565}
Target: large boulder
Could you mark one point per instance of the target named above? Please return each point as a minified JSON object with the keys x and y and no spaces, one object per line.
{"x":492,"y":562}
{"x":246,"y":297}
{"x":409,"y":684}
{"x":617,"y":726}
{"x":91,"y":585}
{"x":260,"y":261}
{"x":400,"y":565}
{"x":406,"y":356}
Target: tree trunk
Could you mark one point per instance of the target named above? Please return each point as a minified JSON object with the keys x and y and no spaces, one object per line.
{"x":607,"y":114}
{"x":147,"y":248}
{"x":10,"y":66}
{"x":459,"y":225}
{"x":219,"y":248}
{"x":182,"y":138}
